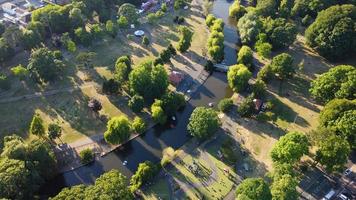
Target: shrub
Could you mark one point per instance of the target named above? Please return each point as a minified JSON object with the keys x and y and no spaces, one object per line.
{"x":209,"y":66}
{"x":210,"y":20}
{"x":185,"y":40}
{"x":145,"y":41}
{"x":236,"y":10}
{"x":110,"y":86}
{"x":245,"y":56}
{"x":151,"y":18}
{"x":259,"y":89}
{"x":86,"y":156}
{"x":263,"y":49}
{"x":4,"y":82}
{"x":247,"y":107}
{"x":136,"y":103}
{"x":225,"y":105}
{"x":122,"y":22}
{"x":138,"y":125}
{"x":164,"y":7}
{"x":20,"y":71}
{"x":58,"y":54}
{"x":168,"y":155}
{"x":238,"y":76}
{"x":265,"y":74}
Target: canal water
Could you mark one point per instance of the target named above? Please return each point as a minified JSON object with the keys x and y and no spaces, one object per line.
{"x":149,"y":146}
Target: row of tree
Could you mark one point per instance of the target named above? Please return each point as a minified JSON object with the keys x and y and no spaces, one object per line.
{"x":216,"y":38}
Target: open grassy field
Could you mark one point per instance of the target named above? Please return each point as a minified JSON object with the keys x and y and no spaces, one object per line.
{"x":70,"y":108}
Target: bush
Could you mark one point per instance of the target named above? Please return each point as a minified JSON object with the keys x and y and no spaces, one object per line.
{"x":136,"y":103}
{"x":122,"y":22}
{"x":238,"y":77}
{"x":168,"y":155}
{"x":245,"y":56}
{"x":225,"y":105}
{"x":210,"y":20}
{"x":259,"y":89}
{"x":145,"y":41}
{"x":164,"y":7}
{"x":138,"y":125}
{"x":185,"y":40}
{"x":4,"y":82}
{"x":209,"y":66}
{"x":263,"y":49}
{"x":265,"y":74}
{"x":110,"y":86}
{"x":20,"y":71}
{"x":158,"y":114}
{"x":247,"y":107}
{"x":58,"y":54}
{"x":86,"y":156}
{"x":236,"y":10}
{"x":151,"y":18}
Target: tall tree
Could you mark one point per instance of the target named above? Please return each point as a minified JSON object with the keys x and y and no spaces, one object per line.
{"x":238,"y":76}
{"x":290,"y":148}
{"x":118,"y":130}
{"x":282,"y":65}
{"x":284,"y":188}
{"x":36,"y":126}
{"x":203,"y":122}
{"x":254,"y":188}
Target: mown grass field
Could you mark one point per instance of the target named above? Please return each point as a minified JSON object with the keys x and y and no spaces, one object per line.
{"x":70,"y":109}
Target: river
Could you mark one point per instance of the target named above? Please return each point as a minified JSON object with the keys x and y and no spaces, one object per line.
{"x":149,"y":146}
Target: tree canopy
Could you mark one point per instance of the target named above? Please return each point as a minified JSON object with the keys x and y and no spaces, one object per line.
{"x":249,"y":26}
{"x":149,"y":81}
{"x":339,"y":22}
{"x":290,"y":148}
{"x":254,"y":188}
{"x":118,"y":130}
{"x":285,"y":188}
{"x":203,"y":122}
{"x":238,"y":76}
{"x":129,"y":11}
{"x":144,"y":172}
{"x":338,"y":82}
{"x":282,"y":65}
{"x":43,"y":64}
{"x":280,"y":32}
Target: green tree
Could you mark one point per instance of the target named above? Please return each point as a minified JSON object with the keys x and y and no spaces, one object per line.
{"x":333,"y":152}
{"x":236,"y":10}
{"x":266,"y":7}
{"x":54,"y":131}
{"x":259,"y":89}
{"x":17,"y":182}
{"x":247,"y":107}
{"x":129,"y":11}
{"x":158,"y":114}
{"x":290,"y":148}
{"x":139,"y":125}
{"x":145,"y":41}
{"x":14,"y":148}
{"x":6,"y":51}
{"x":76,"y":18}
{"x":203,"y":122}
{"x":122,"y":69}
{"x":245,"y":56}
{"x":111,"y":28}
{"x":86,"y":156}
{"x":82,"y":36}
{"x":254,"y":188}
{"x":36,"y":126}
{"x":185,"y":39}
{"x":30,"y":39}
{"x":111,"y":185}
{"x":216,"y":45}
{"x":282,"y":66}
{"x":210,"y":20}
{"x":75,"y":192}
{"x":122,"y":22}
{"x":136,"y":103}
{"x":19,"y":71}
{"x":238,"y":76}
{"x":172,"y":101}
{"x":43,"y":64}
{"x":337,"y":82}
{"x":340,"y":21}
{"x":118,"y":130}
{"x":284,"y":188}
{"x":145,"y":172}
{"x":249,"y":26}
{"x":149,"y":81}
{"x":225,"y":105}
{"x":280,"y":32}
